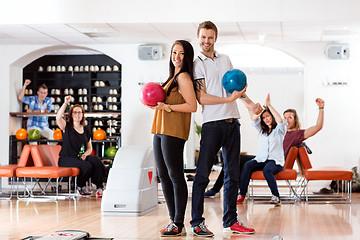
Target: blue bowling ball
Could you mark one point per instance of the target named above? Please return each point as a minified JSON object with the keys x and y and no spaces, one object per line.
{"x":234,"y":80}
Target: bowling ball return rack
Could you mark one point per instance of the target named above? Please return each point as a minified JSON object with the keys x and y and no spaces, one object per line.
{"x":66,"y":235}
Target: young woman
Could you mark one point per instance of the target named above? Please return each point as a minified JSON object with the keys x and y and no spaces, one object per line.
{"x":77,"y":147}
{"x":270,"y":155}
{"x":171,"y":128}
{"x":295,"y":135}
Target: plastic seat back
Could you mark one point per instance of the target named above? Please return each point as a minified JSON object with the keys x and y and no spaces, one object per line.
{"x":43,"y":155}
{"x":25,"y":157}
{"x":304,"y":158}
{"x":291,"y":157}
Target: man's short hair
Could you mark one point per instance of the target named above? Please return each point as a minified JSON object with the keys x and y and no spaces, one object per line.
{"x":208,"y":25}
{"x":43,"y":86}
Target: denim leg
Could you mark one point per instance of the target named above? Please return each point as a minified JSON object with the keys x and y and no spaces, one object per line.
{"x":219,"y":181}
{"x":248,"y":168}
{"x":231,"y":153}
{"x":270,"y":169}
{"x":210,"y":144}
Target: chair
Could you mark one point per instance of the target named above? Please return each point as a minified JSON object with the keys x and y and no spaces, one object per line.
{"x":325,"y":173}
{"x":9,"y":171}
{"x":45,"y":159}
{"x":49,"y":155}
{"x":288,"y":174}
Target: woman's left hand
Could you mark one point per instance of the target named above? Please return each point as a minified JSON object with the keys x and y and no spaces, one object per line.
{"x":267,"y":101}
{"x":159,"y":106}
{"x":83,"y":157}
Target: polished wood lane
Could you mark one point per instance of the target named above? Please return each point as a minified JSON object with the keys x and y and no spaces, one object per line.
{"x":20,"y":219}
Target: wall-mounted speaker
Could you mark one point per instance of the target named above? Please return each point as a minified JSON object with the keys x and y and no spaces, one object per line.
{"x":150,"y":52}
{"x":337,"y":51}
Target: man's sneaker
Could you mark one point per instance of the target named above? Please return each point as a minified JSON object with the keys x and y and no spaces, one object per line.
{"x":99,"y":192}
{"x":240,"y":228}
{"x":202,"y":230}
{"x":210,"y":193}
{"x":275,"y":200}
{"x":240,"y":199}
{"x":83,"y":191}
{"x":168,"y":225}
{"x":171,"y":230}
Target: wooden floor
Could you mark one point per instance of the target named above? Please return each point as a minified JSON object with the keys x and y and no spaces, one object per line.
{"x":19,"y":219}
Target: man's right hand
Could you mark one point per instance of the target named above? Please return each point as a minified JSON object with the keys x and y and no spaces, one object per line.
{"x":237,"y":94}
{"x":27,"y":82}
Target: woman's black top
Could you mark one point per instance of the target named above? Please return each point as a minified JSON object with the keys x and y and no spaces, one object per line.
{"x":74,"y":142}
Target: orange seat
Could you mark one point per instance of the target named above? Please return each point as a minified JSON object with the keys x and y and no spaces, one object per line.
{"x":45,"y":159}
{"x":9,"y":171}
{"x":49,"y":155}
{"x":325,"y":173}
{"x":43,"y":172}
{"x":287,"y":174}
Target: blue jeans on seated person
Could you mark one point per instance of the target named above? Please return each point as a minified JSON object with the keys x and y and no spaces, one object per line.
{"x":269,"y":169}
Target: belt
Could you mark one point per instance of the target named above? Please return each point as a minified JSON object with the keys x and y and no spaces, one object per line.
{"x":229,"y":120}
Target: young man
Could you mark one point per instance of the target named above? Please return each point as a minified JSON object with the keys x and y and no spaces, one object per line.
{"x":220,"y":129}
{"x":39,"y":103}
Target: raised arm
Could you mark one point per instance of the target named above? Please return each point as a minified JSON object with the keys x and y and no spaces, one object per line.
{"x":276,"y":115}
{"x":311,"y":131}
{"x":22,"y":92}
{"x":254,"y":109}
{"x":59,"y":115}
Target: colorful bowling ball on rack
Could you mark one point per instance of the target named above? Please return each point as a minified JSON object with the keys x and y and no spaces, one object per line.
{"x":21,"y":134}
{"x":34,"y":134}
{"x":234,"y":80}
{"x":99,"y":134}
{"x":111,"y":151}
{"x":152,"y":93}
{"x":57,"y":134}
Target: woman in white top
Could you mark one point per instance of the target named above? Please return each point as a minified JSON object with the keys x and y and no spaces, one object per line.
{"x":270,"y":154}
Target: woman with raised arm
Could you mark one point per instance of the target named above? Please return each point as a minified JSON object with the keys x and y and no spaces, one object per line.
{"x":77,"y":147}
{"x":270,"y":155}
{"x":295,"y":135}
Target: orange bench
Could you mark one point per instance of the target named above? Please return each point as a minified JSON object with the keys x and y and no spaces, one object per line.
{"x":325,"y":173}
{"x":288,"y":174}
{"x":9,"y":171}
{"x":45,"y":158}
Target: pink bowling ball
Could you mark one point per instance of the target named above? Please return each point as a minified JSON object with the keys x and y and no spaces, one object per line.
{"x":152,"y":93}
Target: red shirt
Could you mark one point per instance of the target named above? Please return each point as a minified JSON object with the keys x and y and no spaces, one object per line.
{"x":293,"y":138}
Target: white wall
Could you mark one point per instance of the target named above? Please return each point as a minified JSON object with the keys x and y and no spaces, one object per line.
{"x":336,"y":144}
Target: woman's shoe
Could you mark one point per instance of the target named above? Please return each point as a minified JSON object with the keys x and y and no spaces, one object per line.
{"x":83,"y":191}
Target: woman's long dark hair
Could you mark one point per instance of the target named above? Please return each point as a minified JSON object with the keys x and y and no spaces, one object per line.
{"x":265,"y":128}
{"x":186,"y":65}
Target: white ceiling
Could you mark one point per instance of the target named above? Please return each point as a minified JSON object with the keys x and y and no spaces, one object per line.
{"x":119,"y":33}
{"x":86,"y":22}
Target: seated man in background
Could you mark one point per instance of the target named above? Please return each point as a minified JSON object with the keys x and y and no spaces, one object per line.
{"x":39,"y":103}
